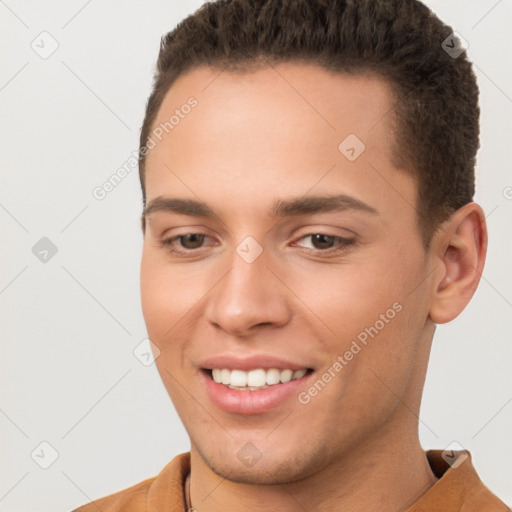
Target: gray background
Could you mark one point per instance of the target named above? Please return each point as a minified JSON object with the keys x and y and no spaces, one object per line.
{"x":69,"y":326}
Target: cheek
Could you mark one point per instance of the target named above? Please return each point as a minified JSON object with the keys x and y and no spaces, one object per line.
{"x":172,"y":306}
{"x":165,"y":304}
{"x":155,"y":297}
{"x":365,"y":310}
{"x":167,"y":295}
{"x":162,"y":301}
{"x":348,"y":298}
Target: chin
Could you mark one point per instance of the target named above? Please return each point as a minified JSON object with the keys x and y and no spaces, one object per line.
{"x":273,"y":470}
{"x":269,"y":474}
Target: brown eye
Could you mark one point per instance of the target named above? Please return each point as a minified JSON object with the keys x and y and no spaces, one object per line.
{"x":323,"y":244}
{"x":321,"y":241}
{"x":192,"y":240}
{"x":189,"y":244}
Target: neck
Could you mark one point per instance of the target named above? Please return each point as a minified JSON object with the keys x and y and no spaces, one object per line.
{"x":386,"y":475}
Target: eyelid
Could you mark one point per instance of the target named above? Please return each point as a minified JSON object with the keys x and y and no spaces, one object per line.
{"x":340,"y":247}
{"x":168,"y":242}
{"x":344,"y":244}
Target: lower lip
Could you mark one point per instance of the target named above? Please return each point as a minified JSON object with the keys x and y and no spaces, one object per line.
{"x":252,"y":402}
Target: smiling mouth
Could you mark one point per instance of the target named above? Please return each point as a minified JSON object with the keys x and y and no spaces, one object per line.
{"x":256,"y":379}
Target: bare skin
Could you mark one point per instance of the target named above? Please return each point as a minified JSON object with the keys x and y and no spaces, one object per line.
{"x":252,"y":140}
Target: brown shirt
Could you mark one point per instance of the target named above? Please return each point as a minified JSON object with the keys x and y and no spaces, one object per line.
{"x":458,"y":490}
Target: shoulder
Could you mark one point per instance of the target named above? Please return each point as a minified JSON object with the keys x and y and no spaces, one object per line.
{"x":131,"y":499}
{"x":459,"y":487}
{"x":162,"y":492}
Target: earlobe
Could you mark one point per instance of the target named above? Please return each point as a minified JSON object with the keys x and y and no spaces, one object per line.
{"x":461,"y":248}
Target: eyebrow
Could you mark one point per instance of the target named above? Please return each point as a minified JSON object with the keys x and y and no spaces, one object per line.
{"x":281,"y":208}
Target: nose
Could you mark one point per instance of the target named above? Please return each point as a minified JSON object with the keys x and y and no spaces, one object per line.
{"x":249,"y":297}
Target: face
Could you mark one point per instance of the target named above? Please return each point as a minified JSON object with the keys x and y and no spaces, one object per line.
{"x":279,"y":245}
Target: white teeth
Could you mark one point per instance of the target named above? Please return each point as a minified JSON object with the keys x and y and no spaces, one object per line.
{"x":298,"y":374}
{"x":238,"y":378}
{"x":216,"y":375}
{"x":225,"y":376}
{"x":258,"y":378}
{"x":273,"y":376}
{"x":286,"y":375}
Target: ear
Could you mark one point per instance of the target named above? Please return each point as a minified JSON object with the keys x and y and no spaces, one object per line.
{"x":460,"y":245}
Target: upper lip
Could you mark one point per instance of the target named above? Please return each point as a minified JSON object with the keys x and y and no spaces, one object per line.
{"x":265,"y":361}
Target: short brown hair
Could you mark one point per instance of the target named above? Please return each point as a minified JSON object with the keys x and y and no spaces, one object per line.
{"x":436,"y":108}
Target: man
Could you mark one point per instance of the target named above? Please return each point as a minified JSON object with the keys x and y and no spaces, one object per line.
{"x":302,"y":238}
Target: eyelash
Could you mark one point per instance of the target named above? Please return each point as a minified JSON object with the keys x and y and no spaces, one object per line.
{"x":343,"y":245}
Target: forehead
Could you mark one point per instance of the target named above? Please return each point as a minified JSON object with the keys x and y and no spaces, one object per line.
{"x":279,"y":128}
{"x":287,"y":100}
